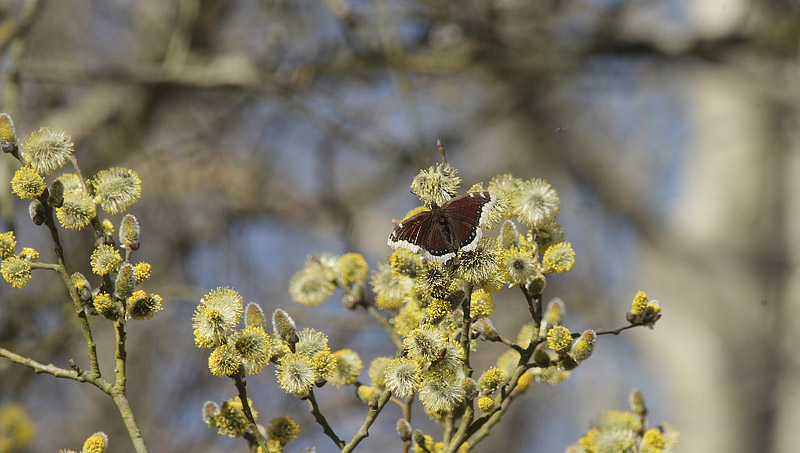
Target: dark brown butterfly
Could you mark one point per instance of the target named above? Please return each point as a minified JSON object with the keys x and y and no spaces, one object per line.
{"x":440,"y":232}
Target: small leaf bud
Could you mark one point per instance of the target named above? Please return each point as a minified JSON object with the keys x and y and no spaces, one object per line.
{"x":107,"y":227}
{"x":254,"y":316}
{"x":544,"y":356}
{"x":470,"y":388}
{"x":356,"y":296}
{"x":555,"y":312}
{"x":8,"y":132}
{"x":283,"y":325}
{"x":129,"y":232}
{"x":537,"y":285}
{"x":583,"y":347}
{"x":36,"y":211}
{"x":126,"y":281}
{"x":210,"y":411}
{"x":636,"y":401}
{"x":55,"y":198}
{"x":509,"y":236}
{"x":404,"y":430}
{"x":82,"y":286}
{"x":419,"y":437}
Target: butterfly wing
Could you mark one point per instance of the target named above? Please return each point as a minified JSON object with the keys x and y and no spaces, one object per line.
{"x":464,"y":215}
{"x":439,"y":233}
{"x":423,"y":233}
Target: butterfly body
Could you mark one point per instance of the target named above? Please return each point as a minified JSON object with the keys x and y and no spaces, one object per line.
{"x":443,"y":230}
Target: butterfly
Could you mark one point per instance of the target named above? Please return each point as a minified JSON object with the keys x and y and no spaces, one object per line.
{"x":441,"y":231}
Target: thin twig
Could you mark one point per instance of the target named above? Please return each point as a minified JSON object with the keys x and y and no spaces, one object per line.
{"x":407,"y":417}
{"x":449,"y":422}
{"x":465,"y":332}
{"x":241,"y":385}
{"x":363,"y":432}
{"x":120,"y":356}
{"x":611,"y":331}
{"x":396,"y":340}
{"x":313,"y":407}
{"x":38,"y":265}
{"x":76,"y":302}
{"x":49,"y":369}
{"x":461,"y":434}
{"x":130,"y":422}
{"x":531,"y":305}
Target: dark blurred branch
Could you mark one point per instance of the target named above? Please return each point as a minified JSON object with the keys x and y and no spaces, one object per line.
{"x":11,"y":30}
{"x":13,"y":34}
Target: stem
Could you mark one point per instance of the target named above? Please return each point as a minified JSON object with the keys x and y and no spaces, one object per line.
{"x":81,"y":376}
{"x":490,"y":422}
{"x":504,"y":401}
{"x":120,"y":387}
{"x":531,"y":305}
{"x":449,"y":421}
{"x":363,"y":432}
{"x":396,"y":340}
{"x":313,"y":407}
{"x":76,"y":302}
{"x":74,"y":161}
{"x":241,"y":385}
{"x":461,"y":434}
{"x":469,"y":410}
{"x":407,"y":417}
{"x":130,"y":423}
{"x":465,"y":332}
{"x":611,"y":331}
{"x":120,"y":357}
{"x":41,"y":368}
{"x":38,"y":265}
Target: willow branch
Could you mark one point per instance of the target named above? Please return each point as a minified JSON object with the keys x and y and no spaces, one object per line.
{"x":611,"y":331}
{"x":407,"y":417}
{"x":313,"y":407}
{"x":241,"y":385}
{"x":50,"y":369}
{"x":449,"y":422}
{"x":465,"y":332}
{"x":120,"y":356}
{"x":461,"y":434}
{"x":396,"y":340}
{"x":363,"y":432}
{"x":130,"y":422}
{"x":505,"y":400}
{"x":38,"y":265}
{"x":76,"y":302}
{"x":531,"y":306}
{"x":120,"y":386}
{"x":490,"y":422}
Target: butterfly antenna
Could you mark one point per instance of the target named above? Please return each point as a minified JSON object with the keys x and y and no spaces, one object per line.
{"x":440,"y":147}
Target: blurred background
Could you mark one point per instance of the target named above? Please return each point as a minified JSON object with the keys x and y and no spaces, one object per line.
{"x":267,"y":130}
